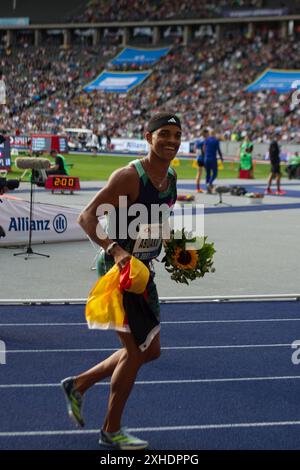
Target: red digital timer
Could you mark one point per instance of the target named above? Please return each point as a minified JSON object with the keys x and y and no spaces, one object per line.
{"x":62,"y":183}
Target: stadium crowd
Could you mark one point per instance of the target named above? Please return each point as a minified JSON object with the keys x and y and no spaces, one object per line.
{"x":219,"y":100}
{"x":204,"y":82}
{"x":61,"y":103}
{"x":139,"y":10}
{"x":42,"y":81}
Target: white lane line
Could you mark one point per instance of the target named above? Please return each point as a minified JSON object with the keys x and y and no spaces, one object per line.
{"x":166,"y":382}
{"x":182,"y":322}
{"x":200,"y":427}
{"x":168,"y":348}
{"x":42,"y":324}
{"x":256,"y":320}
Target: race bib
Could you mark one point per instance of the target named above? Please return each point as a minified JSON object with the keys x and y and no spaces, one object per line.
{"x":148,"y":242}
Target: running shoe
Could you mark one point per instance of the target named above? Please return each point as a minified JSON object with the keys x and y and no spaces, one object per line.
{"x":74,"y":400}
{"x":280,"y":193}
{"x":268,"y":191}
{"x":200,"y":190}
{"x":122,"y":440}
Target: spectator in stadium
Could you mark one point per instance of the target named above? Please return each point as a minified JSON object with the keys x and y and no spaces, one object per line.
{"x":2,"y":90}
{"x":198,"y":146}
{"x":93,"y":142}
{"x":82,"y":139}
{"x":108,"y":141}
{"x":245,"y":155}
{"x":274,"y":155}
{"x":148,"y":181}
{"x":60,"y":167}
{"x":211,"y":148}
{"x":293,"y":168}
{"x":99,"y":140}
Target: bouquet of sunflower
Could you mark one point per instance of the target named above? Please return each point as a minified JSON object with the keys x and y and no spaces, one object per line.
{"x":186,"y":258}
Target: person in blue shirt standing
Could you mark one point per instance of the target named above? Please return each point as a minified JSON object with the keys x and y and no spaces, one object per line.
{"x":211,"y":148}
{"x":198,"y":147}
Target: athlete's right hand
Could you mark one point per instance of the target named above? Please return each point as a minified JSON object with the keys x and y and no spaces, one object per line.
{"x":120,"y":256}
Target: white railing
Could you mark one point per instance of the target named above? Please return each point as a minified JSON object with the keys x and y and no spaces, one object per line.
{"x":187,"y":299}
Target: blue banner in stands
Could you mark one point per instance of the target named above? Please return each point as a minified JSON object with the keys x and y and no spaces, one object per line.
{"x":117,"y":82}
{"x":14,"y":21}
{"x":282,"y":81}
{"x":130,"y":55}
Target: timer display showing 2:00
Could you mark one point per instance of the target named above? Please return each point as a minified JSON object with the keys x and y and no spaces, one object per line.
{"x":63,"y":181}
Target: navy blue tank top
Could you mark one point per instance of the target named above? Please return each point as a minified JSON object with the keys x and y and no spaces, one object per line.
{"x":150,"y":209}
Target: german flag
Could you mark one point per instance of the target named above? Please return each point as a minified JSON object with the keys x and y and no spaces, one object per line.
{"x":105,"y":307}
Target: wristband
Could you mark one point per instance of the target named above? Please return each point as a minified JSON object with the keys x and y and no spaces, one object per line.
{"x":111,"y":247}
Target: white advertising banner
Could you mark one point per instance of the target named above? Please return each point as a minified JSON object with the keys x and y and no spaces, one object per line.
{"x":130,"y":145}
{"x":137,"y":145}
{"x":50,"y":223}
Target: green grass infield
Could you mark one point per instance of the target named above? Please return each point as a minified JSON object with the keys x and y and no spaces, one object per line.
{"x":100,"y":167}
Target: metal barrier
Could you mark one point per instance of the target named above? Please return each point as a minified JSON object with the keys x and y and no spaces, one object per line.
{"x":210,"y":298}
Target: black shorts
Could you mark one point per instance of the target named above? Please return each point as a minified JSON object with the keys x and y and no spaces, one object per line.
{"x":142,"y":312}
{"x":275,"y":169}
{"x":200,"y":161}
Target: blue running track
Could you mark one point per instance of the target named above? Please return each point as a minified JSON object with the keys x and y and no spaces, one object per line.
{"x":225,"y":379}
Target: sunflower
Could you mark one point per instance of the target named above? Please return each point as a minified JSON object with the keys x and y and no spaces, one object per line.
{"x":185,"y":265}
{"x":185,"y":259}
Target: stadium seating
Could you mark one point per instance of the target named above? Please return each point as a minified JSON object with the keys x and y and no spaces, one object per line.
{"x":135,"y":10}
{"x":204,"y":82}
